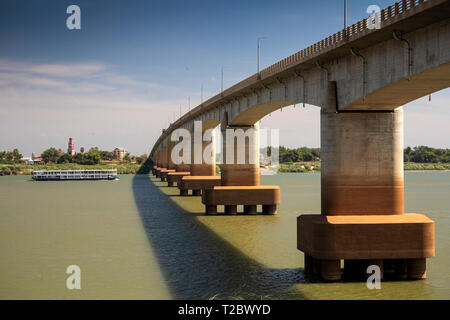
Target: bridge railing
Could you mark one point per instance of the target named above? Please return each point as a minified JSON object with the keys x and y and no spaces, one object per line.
{"x":344,"y":35}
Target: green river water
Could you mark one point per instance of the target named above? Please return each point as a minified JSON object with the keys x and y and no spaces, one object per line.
{"x":137,"y":239}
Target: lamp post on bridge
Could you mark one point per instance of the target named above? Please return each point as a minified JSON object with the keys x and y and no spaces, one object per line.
{"x":345,"y":14}
{"x":258,"y":49}
{"x":221,"y":83}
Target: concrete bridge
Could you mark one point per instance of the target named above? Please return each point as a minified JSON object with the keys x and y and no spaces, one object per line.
{"x":360,"y":77}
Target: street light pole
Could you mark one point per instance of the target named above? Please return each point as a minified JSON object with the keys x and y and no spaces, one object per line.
{"x":345,"y":14}
{"x":258,"y":49}
{"x":221,"y":85}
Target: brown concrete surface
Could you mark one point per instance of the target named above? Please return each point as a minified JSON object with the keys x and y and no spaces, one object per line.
{"x":173,"y":177}
{"x":361,"y":161}
{"x":164,"y":172}
{"x":408,"y":236}
{"x":242,"y":195}
{"x":198,"y":182}
{"x":158,"y":172}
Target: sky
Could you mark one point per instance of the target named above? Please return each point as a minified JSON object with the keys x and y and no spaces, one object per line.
{"x":134,"y":65}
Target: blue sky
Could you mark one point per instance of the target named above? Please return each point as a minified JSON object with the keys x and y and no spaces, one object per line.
{"x":121,"y":78}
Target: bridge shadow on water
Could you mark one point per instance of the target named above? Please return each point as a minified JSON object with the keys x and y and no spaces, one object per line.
{"x":196,"y":262}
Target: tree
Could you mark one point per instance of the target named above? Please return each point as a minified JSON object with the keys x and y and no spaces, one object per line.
{"x":92,"y":158}
{"x":17,"y":157}
{"x":106,"y":155}
{"x":82,"y":149}
{"x":127,"y":158}
{"x":141,"y":159}
{"x":65,"y":158}
{"x":50,"y":155}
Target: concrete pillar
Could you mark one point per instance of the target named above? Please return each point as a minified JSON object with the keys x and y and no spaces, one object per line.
{"x":400,"y":266}
{"x":309,"y":264}
{"x":250,"y":209}
{"x":353,"y":268}
{"x":179,"y":165}
{"x":417,"y":269}
{"x":331,"y":270}
{"x":231,"y":209}
{"x":183,"y":167}
{"x":245,"y":173}
{"x":160,"y":158}
{"x":170,"y":161}
{"x":362,"y":161}
{"x":206,"y":166}
{"x":164,"y":155}
{"x":211,"y":209}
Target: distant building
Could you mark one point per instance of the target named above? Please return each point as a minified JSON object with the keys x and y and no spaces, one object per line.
{"x":37,"y":160}
{"x":32,"y":160}
{"x":27,"y":160}
{"x":119,"y":153}
{"x":71,"y":148}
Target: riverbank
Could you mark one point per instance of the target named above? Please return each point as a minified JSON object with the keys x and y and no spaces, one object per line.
{"x":311,"y":167}
{"x":134,"y":168}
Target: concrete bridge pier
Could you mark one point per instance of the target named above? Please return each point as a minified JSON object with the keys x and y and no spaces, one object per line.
{"x":160,"y":163}
{"x":240,"y":182}
{"x":362,"y":197}
{"x":155,"y":159}
{"x":181,"y":170}
{"x":203,"y":165}
{"x":206,"y":165}
{"x":167,"y":161}
{"x":246,"y":171}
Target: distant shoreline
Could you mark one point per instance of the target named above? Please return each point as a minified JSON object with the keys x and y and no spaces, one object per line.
{"x":134,"y":168}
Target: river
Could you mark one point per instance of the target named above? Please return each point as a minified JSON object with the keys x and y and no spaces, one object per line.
{"x":137,"y":239}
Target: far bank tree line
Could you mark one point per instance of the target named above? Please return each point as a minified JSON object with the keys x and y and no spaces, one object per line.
{"x":421,"y":154}
{"x":52,"y":155}
{"x":91,"y":157}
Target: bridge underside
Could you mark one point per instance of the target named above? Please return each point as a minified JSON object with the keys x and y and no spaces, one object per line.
{"x":404,"y":91}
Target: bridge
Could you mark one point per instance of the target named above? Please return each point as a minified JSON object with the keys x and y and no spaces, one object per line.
{"x":360,"y":77}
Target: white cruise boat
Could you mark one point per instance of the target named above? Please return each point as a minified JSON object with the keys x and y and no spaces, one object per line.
{"x":63,"y":175}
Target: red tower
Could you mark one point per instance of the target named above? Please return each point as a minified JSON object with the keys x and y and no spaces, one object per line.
{"x":71,"y":148}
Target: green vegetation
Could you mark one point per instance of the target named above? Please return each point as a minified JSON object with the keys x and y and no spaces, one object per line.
{"x":11,"y":162}
{"x":291,"y":161}
{"x":423,"y":154}
{"x":308,"y":159}
{"x":426,"y":166}
{"x":304,"y":154}
{"x":299,"y":167}
{"x":10,"y":157}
